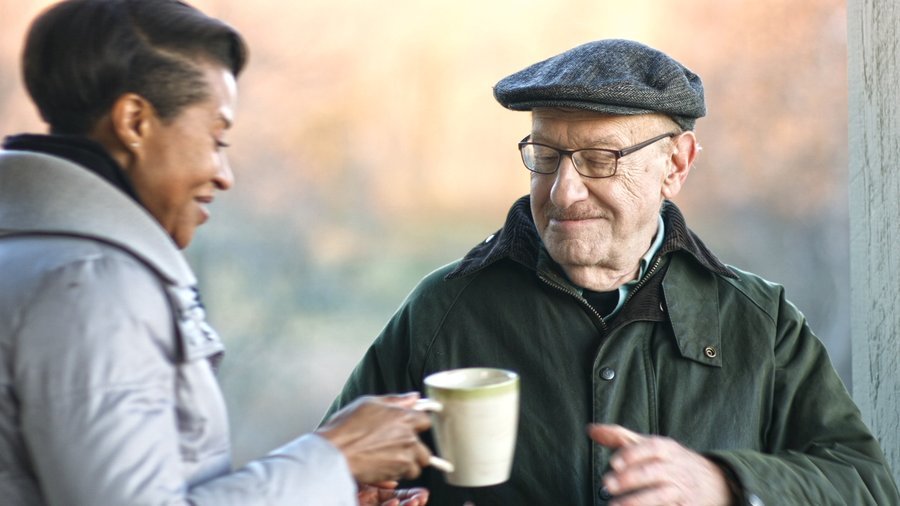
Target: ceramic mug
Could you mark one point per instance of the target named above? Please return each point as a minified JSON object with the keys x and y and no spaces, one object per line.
{"x":475,"y":416}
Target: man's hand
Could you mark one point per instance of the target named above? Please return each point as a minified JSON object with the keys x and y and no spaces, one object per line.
{"x":653,"y":470}
{"x":386,"y":494}
{"x":378,"y":437}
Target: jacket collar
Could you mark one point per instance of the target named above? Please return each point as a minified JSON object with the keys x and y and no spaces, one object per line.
{"x":519,"y":241}
{"x":42,"y":194}
{"x":78,"y":149}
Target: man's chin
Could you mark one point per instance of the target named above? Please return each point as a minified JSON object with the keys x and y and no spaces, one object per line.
{"x":573,"y":254}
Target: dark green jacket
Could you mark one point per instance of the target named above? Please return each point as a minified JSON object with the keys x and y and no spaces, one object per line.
{"x":710,"y":356}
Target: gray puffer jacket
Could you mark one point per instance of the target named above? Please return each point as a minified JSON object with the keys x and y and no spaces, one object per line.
{"x":107,"y":388}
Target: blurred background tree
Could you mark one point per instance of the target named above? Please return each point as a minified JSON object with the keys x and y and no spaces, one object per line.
{"x":369,"y":151}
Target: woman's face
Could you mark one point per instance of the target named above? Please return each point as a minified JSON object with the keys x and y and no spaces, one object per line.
{"x":182,"y":163}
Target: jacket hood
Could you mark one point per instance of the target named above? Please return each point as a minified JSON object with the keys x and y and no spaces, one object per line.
{"x":42,"y":194}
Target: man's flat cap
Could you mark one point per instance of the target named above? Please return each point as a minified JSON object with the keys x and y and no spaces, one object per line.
{"x":611,"y":76}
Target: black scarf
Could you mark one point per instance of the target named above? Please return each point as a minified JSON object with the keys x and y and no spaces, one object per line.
{"x":80,"y":150}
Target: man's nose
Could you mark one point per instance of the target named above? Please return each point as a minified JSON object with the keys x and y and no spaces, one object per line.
{"x":569,"y":187}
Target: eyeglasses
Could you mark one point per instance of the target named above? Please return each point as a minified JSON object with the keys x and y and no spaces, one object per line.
{"x":589,"y":162}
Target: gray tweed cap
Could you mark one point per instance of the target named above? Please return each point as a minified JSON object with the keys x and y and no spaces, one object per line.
{"x":612,"y":76}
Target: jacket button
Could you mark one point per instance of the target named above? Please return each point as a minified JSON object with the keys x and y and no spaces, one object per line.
{"x":604,"y":494}
{"x":607,"y":374}
{"x":710,"y":351}
{"x":662,"y":307}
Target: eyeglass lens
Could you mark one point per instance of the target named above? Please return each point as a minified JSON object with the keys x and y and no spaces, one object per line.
{"x":589,"y":162}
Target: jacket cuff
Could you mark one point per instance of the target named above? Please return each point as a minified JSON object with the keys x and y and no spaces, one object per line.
{"x":323,"y":470}
{"x":740,"y":495}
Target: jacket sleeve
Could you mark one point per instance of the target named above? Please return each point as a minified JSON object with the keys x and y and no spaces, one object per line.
{"x":308,"y":470}
{"x":96,"y":381}
{"x":819,"y":450}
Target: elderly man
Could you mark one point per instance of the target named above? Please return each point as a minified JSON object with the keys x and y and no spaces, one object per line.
{"x":701,"y":383}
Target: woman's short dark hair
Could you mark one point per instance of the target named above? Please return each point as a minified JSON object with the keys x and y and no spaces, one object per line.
{"x":81,"y":55}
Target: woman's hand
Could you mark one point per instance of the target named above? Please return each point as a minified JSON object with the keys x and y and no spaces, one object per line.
{"x":379,"y":437}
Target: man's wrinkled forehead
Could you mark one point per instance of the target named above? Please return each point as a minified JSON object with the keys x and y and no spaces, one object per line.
{"x":601,"y":126}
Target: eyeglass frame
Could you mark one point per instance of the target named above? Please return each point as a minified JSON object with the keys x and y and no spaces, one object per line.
{"x":617,"y":153}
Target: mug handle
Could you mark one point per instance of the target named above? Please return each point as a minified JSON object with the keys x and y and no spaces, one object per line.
{"x":434,"y":406}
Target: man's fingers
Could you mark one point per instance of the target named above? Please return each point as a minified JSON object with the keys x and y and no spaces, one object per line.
{"x":649,"y":474}
{"x":651,"y":495}
{"x":410,"y":493}
{"x":651,"y":449}
{"x":613,"y":436}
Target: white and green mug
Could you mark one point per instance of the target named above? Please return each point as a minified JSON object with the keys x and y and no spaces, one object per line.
{"x":475,"y":414}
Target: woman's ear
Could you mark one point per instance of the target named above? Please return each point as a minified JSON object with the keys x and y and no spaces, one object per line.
{"x":683,"y":155}
{"x":130,"y":118}
{"x":124,"y":129}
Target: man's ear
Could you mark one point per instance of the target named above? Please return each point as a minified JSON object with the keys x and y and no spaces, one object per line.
{"x":683,"y":156}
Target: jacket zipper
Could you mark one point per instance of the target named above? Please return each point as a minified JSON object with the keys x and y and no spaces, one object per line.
{"x":649,"y":274}
{"x":578,"y":297}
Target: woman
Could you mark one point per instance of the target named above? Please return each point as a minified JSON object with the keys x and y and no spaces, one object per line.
{"x":106,"y":362}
